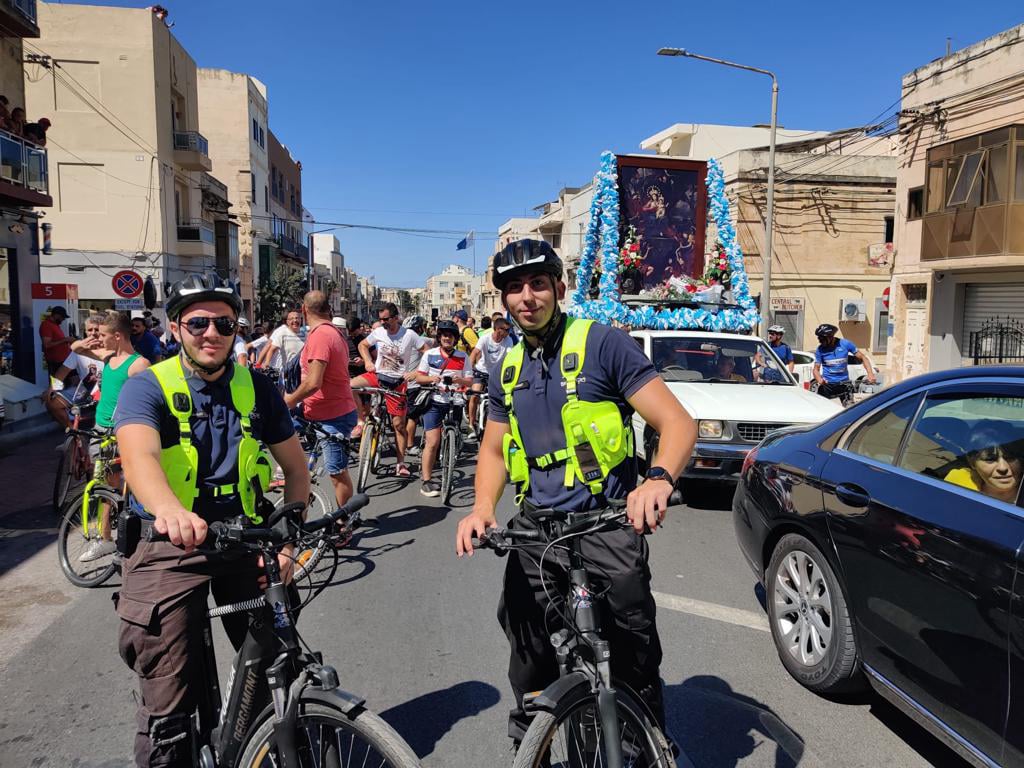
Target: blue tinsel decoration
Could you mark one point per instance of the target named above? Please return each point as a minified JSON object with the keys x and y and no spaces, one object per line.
{"x":603,"y":232}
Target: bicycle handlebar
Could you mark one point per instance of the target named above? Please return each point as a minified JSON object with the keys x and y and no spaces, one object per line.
{"x":235,"y":534}
{"x":500,"y":539}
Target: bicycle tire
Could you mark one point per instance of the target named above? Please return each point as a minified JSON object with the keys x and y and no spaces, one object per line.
{"x":69,"y":474}
{"x":380,"y":443}
{"x":366,"y":447}
{"x":71,"y":539}
{"x":308,"y":553}
{"x":449,"y":441}
{"x":652,"y":751}
{"x":370,"y":729}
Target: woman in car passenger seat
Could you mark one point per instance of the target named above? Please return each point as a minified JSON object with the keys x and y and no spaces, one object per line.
{"x":993,"y":463}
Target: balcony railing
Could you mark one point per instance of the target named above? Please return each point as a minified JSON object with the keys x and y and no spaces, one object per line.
{"x":191,"y":141}
{"x":197,"y":231}
{"x":23,"y":163}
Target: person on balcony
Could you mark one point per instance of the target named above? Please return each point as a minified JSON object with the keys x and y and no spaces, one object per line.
{"x":17,"y":122}
{"x":36,"y":132}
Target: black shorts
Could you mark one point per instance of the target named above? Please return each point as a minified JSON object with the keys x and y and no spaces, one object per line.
{"x":481,"y":377}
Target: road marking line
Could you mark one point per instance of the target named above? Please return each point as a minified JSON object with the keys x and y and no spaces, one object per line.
{"x":737,"y":616}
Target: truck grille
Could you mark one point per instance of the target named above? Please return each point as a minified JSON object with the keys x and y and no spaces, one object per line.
{"x":754,"y":432}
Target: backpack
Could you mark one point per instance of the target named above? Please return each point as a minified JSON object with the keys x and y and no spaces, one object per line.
{"x":291,"y":374}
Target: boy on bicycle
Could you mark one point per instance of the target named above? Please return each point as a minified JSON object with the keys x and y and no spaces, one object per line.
{"x":442,"y":365}
{"x":567,"y":376}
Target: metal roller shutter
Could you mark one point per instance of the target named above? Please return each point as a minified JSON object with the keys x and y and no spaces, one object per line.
{"x":984,"y":301}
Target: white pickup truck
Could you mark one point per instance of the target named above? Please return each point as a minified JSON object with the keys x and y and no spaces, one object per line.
{"x":734,"y":387}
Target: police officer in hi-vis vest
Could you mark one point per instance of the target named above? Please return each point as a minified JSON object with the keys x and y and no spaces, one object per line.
{"x":190,"y":432}
{"x":567,"y":376}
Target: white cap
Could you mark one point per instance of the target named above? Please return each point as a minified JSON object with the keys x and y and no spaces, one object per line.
{"x":341,"y":322}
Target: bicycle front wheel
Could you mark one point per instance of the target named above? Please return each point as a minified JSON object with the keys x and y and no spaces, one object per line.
{"x":328,"y":737}
{"x":449,"y":444}
{"x":85,"y":539}
{"x":572,"y":735}
{"x":309,"y":551}
{"x":367,"y":449}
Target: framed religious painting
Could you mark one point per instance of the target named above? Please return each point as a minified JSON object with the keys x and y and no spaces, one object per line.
{"x":663,"y":211}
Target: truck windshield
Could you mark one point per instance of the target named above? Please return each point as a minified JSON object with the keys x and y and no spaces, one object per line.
{"x":743,"y":360}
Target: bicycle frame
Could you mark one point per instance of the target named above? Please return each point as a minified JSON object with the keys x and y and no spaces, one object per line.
{"x":269,"y":673}
{"x":582,"y":654}
{"x":101,"y":467}
{"x":586,"y":651}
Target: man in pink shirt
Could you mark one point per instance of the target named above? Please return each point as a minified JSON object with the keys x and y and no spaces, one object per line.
{"x":326,"y":391}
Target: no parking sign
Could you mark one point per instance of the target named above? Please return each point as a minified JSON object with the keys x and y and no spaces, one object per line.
{"x":127,"y":284}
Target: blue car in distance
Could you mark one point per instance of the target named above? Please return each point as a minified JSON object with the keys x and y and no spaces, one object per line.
{"x":889,"y":540}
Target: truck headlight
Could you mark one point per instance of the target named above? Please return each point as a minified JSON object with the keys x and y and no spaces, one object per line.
{"x":709,"y":428}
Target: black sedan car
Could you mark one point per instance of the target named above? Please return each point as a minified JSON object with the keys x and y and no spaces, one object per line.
{"x":889,"y":542}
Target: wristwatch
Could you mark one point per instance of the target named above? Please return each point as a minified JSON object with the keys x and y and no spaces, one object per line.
{"x":659,"y":473}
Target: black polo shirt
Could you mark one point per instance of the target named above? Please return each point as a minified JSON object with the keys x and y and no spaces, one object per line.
{"x":216,"y":426}
{"x":614,"y":368}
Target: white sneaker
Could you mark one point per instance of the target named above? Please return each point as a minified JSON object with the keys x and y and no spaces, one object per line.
{"x":97,"y":549}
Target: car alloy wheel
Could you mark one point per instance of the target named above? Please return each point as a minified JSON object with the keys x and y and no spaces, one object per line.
{"x":803,"y":608}
{"x":811,"y":625}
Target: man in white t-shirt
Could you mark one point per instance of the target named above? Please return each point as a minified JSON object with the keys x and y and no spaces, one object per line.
{"x":486,"y":358}
{"x":397,"y":347}
{"x":285,"y":343}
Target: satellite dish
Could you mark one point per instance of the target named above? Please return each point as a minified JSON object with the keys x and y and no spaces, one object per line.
{"x":149,"y":293}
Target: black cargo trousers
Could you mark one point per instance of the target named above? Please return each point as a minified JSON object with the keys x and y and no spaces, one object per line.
{"x":616,"y":566}
{"x":162,"y":606}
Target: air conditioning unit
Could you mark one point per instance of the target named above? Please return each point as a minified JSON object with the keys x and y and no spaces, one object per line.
{"x":852,"y":310}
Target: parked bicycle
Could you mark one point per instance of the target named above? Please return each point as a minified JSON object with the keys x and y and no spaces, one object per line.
{"x":586,"y":717}
{"x":298,"y":717}
{"x":73,"y":465}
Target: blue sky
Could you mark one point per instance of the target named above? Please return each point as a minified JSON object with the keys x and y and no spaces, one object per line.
{"x":456,"y":115}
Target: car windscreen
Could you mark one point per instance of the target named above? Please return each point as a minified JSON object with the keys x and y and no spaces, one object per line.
{"x":736,"y":361}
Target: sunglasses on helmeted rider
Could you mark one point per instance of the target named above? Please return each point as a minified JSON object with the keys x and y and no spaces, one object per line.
{"x":197,"y":326}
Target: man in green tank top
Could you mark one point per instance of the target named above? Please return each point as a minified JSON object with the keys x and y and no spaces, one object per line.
{"x":114,"y":349}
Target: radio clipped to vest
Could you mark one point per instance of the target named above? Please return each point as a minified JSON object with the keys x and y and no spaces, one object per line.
{"x":596,"y":438}
{"x":180,"y":462}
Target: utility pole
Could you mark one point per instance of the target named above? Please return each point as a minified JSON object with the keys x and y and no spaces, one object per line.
{"x":769,"y":225}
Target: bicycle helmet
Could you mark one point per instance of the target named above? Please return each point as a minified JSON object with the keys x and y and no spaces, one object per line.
{"x":776,"y":329}
{"x":447,"y":326}
{"x":415,"y":323}
{"x":825,"y":330}
{"x":196,"y":288}
{"x":525,"y":256}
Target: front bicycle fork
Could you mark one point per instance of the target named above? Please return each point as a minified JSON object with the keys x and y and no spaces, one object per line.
{"x":585,"y":615}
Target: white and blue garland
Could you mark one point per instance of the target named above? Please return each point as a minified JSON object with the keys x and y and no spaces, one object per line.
{"x":603,"y":232}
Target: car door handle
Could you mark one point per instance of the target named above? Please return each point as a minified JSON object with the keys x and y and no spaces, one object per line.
{"x":853,"y":495}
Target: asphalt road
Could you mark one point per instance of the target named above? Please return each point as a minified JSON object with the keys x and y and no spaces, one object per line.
{"x":412,"y":628}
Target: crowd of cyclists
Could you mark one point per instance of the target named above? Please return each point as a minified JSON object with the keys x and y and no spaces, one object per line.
{"x":202,"y":416}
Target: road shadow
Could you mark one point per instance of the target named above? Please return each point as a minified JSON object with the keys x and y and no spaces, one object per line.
{"x":916,"y":737}
{"x":717,"y":727}
{"x":446,"y":708}
{"x":352,"y":563}
{"x":403,"y":520}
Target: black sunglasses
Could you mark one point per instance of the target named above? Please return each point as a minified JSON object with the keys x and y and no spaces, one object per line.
{"x":197,"y":326}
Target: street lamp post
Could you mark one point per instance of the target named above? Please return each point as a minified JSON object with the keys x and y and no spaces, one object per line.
{"x":766,"y":290}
